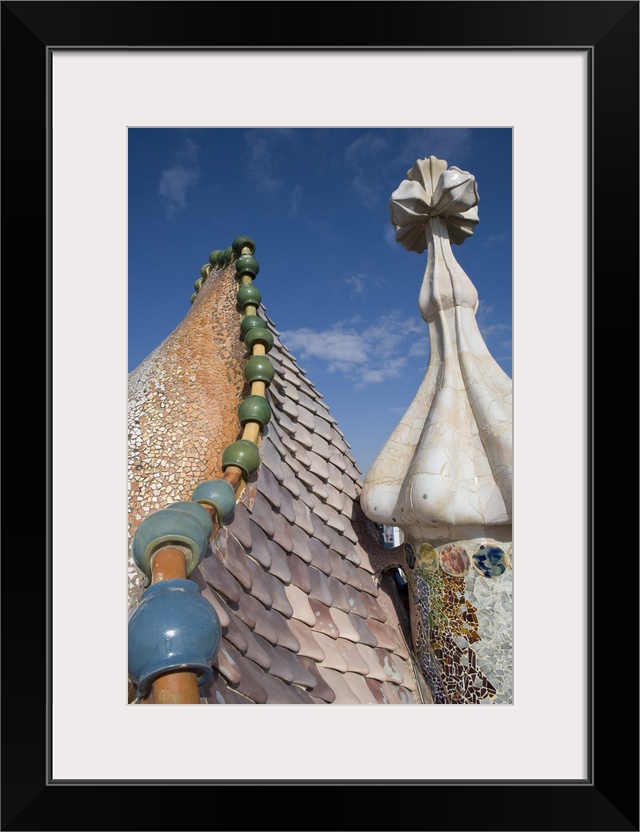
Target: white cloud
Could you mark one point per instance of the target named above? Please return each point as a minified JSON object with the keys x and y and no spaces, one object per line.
{"x":176,"y":180}
{"x":345,"y":347}
{"x":264,"y":155}
{"x":358,"y":283}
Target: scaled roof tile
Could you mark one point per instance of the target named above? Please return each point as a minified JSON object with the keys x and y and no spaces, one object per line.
{"x":309,"y":645}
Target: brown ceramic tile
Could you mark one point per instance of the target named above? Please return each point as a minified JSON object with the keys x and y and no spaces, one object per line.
{"x":339,"y":544}
{"x":360,"y":689}
{"x":259,"y":583}
{"x":214,"y":599}
{"x":300,"y":605}
{"x":279,"y":692}
{"x":290,"y":482}
{"x":408,"y":679}
{"x":283,"y":631}
{"x":333,"y":658}
{"x":323,"y":689}
{"x":370,"y":656}
{"x":349,"y":532}
{"x":392,"y":694}
{"x":253,"y":651}
{"x":303,"y":437}
{"x":344,"y":625}
{"x":368,"y":584}
{"x":226,"y":665}
{"x":324,"y":621}
{"x":306,"y":418}
{"x":275,"y":588}
{"x":355,"y":662}
{"x":240,"y":528}
{"x":290,"y":409}
{"x":319,"y":586}
{"x":303,"y":517}
{"x":220,"y":579}
{"x":406,"y":698}
{"x":309,"y":646}
{"x":299,"y":572}
{"x":365,"y":562}
{"x":348,"y":485}
{"x":338,"y":594}
{"x":286,"y":506}
{"x":250,"y":683}
{"x":235,"y":560}
{"x":319,"y":530}
{"x":264,"y":624}
{"x":377,"y":691}
{"x":219,"y":694}
{"x":279,"y":567}
{"x":282,"y":533}
{"x":310,"y":402}
{"x":336,"y":562}
{"x":382,"y":633}
{"x":233,"y":632}
{"x":319,"y":556}
{"x":260,"y":549}
{"x":269,"y":487}
{"x":353,"y":578}
{"x":271,"y":459}
{"x":366,"y":636}
{"x":262,"y":514}
{"x":244,"y":611}
{"x":320,"y":511}
{"x":307,"y":478}
{"x":356,"y":604}
{"x":301,"y":675}
{"x":335,"y":521}
{"x":374,"y":609}
{"x":288,"y":390}
{"x":338,"y":460}
{"x":303,"y":458}
{"x":278,"y":666}
{"x":335,"y":476}
{"x":389,"y":667}
{"x":334,"y":497}
{"x":300,"y":541}
{"x":287,"y":425}
{"x":335,"y":680}
{"x":321,"y":447}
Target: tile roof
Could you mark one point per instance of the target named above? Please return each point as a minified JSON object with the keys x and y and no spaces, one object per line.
{"x":304,"y":617}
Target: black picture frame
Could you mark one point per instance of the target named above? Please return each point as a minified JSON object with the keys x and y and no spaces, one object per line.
{"x":608,"y":799}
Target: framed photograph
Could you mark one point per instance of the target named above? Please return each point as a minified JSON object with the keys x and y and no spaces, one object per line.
{"x":563,"y":76}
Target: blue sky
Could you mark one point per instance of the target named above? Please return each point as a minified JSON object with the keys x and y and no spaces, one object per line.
{"x":339,"y":289}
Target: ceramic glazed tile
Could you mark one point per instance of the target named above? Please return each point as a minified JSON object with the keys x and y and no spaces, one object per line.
{"x":319,"y":586}
{"x":345,"y":626}
{"x":344,"y":694}
{"x":360,"y":689}
{"x":260,"y":546}
{"x":323,"y":689}
{"x":300,"y":604}
{"x":221,"y":579}
{"x":309,"y":646}
{"x":352,"y":656}
{"x":324,"y":622}
{"x":332,"y":656}
{"x":240,"y":527}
